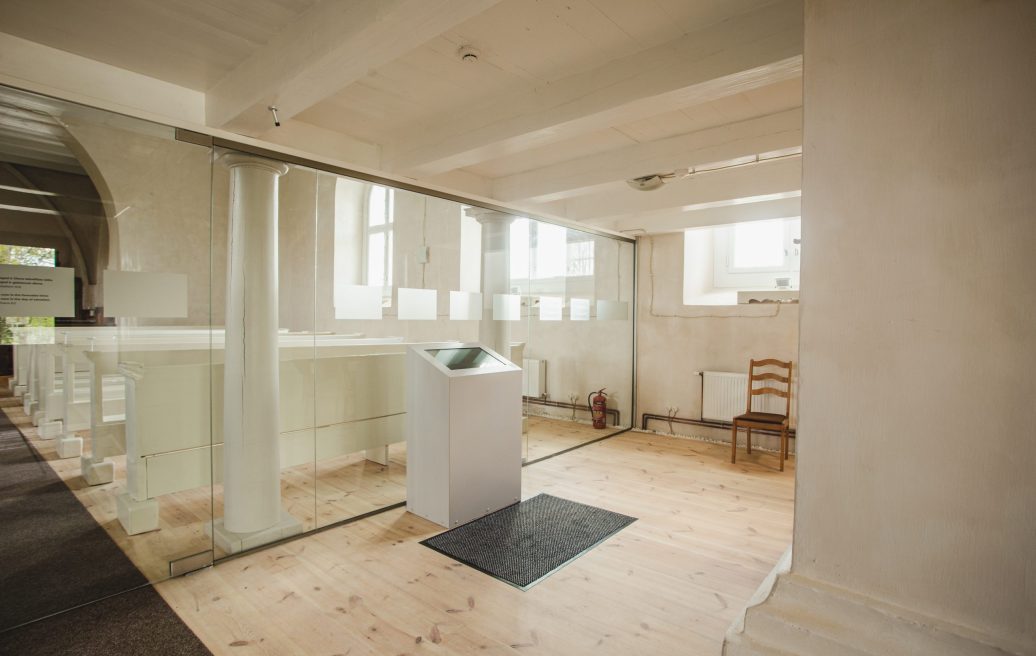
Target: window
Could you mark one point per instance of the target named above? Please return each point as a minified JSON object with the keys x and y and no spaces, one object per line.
{"x":542,"y":251}
{"x":720,"y":261}
{"x":378,"y":256}
{"x":580,"y":258}
{"x":758,"y":254}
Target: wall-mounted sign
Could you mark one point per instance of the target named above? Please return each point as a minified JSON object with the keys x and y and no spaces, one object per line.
{"x":30,"y":291}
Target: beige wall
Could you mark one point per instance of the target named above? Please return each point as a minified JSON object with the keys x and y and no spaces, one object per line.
{"x":157,"y":200}
{"x":674,"y":341}
{"x":917,"y":468}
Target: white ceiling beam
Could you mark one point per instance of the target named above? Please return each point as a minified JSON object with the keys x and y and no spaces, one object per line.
{"x":584,"y":174}
{"x":35,"y":67}
{"x":320,"y":141}
{"x":751,"y":50}
{"x":767,"y":177}
{"x":755,"y":208}
{"x":326,"y":49}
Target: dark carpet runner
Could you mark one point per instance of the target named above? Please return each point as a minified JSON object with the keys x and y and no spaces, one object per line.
{"x":54,"y":556}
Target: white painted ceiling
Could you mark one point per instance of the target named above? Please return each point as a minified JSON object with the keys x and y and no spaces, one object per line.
{"x":583,"y":93}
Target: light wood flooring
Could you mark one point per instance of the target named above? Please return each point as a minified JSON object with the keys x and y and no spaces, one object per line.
{"x":708,"y":533}
{"x":317,"y":495}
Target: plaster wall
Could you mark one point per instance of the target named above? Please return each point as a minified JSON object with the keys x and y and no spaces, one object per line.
{"x":918,"y":333}
{"x":675,"y":341}
{"x":156,"y":195}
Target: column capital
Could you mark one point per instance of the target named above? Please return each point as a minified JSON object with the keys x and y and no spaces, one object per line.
{"x":483,"y":215}
{"x":233,"y":160}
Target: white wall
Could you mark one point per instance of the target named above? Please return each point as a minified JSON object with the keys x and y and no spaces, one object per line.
{"x":917,"y":467}
{"x":674,"y":341}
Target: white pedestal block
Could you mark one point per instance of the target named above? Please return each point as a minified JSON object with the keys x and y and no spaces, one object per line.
{"x":51,"y":429}
{"x":19,"y":391}
{"x":137,"y":516}
{"x":11,"y":384}
{"x":70,"y":447}
{"x":37,"y":415}
{"x":29,"y":406}
{"x":378,"y":455}
{"x":232,"y":543}
{"x":97,"y":473}
{"x":464,"y":433}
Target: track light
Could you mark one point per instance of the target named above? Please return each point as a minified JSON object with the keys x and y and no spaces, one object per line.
{"x":276,"y":121}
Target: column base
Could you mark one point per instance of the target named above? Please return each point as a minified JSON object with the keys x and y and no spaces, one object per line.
{"x":378,"y":455}
{"x":232,"y":543}
{"x":97,"y":473}
{"x":11,"y":384}
{"x":70,"y":447}
{"x":37,"y":415}
{"x":135,"y":516}
{"x":50,"y":429}
{"x":793,"y":614}
{"x":19,"y":390}
{"x":28,"y":406}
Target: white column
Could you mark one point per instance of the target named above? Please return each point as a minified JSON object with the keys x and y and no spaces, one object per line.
{"x":496,"y":275}
{"x":251,"y":463}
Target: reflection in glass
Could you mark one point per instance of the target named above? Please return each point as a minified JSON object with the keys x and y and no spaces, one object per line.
{"x":464,"y":358}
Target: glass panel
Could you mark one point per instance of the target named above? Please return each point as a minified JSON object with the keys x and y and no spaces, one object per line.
{"x":105,"y":322}
{"x":571,"y":356}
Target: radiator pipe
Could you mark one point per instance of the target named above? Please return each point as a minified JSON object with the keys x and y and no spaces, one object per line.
{"x":709,"y":423}
{"x":612,"y":412}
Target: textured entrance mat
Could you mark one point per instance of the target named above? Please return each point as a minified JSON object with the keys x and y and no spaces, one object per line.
{"x":528,"y":541}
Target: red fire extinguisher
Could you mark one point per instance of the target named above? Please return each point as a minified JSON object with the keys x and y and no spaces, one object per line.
{"x":598,"y":407}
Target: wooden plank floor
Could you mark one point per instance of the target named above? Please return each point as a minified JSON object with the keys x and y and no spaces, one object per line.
{"x":708,"y":533}
{"x":317,"y":495}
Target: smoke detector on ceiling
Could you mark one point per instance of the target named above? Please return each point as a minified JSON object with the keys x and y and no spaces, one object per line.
{"x":656,"y":180}
{"x":468,"y":54}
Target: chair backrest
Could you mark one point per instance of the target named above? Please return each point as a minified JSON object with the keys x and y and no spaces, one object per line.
{"x":783,"y":378}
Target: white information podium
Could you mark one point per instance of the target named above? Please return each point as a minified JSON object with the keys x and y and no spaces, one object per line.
{"x":463,"y":432}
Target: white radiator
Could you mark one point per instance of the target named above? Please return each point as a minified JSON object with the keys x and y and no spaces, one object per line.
{"x":725,"y":394}
{"x":534,"y":377}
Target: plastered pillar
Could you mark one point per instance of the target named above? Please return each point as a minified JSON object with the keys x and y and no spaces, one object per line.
{"x":251,"y":462}
{"x":496,"y":275}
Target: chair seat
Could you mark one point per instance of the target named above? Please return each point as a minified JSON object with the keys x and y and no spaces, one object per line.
{"x":762,"y":418}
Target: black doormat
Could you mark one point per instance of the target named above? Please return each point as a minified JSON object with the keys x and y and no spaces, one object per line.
{"x":526,"y":542}
{"x":55,"y":556}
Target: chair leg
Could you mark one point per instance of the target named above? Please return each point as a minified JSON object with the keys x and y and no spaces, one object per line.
{"x":733,"y":444}
{"x":784,"y":447}
{"x":748,"y":440}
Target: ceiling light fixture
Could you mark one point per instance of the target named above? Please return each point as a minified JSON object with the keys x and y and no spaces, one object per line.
{"x":276,"y":121}
{"x":468,"y":54}
{"x":656,"y":180}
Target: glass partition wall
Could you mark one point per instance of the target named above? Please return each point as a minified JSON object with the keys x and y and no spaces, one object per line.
{"x":213,"y":357}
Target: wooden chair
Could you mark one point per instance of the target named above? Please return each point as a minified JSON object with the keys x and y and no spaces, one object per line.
{"x":764,"y":420}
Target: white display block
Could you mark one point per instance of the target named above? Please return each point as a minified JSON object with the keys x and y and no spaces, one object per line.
{"x":417,"y":304}
{"x":550,"y":308}
{"x":613,"y":310}
{"x":464,"y":432}
{"x":579,"y":309}
{"x":145,"y":294}
{"x":465,"y":306}
{"x":507,"y":307}
{"x":358,"y":302}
